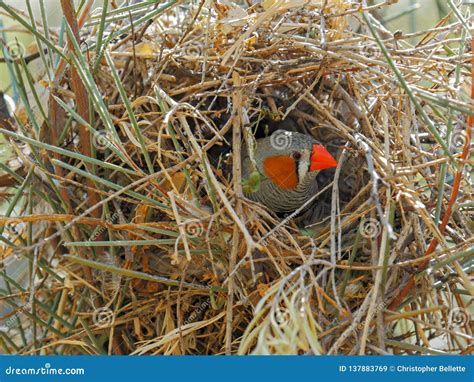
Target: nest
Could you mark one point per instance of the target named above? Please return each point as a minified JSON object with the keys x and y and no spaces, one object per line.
{"x":139,"y":238}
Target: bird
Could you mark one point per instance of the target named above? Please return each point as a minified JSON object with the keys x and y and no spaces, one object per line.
{"x":281,"y":173}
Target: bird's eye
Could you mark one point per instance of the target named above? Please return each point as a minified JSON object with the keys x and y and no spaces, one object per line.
{"x":296,"y":155}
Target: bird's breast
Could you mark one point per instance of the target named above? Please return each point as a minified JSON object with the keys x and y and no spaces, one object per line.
{"x":282,"y":200}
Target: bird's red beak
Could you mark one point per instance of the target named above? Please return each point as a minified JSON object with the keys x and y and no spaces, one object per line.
{"x":321,"y":159}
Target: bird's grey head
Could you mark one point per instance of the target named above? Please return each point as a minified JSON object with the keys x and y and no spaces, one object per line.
{"x":286,"y":143}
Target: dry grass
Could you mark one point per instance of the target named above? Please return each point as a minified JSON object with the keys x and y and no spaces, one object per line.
{"x":127,"y":231}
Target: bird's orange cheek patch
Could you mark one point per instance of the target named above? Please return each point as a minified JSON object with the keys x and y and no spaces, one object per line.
{"x":282,"y":171}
